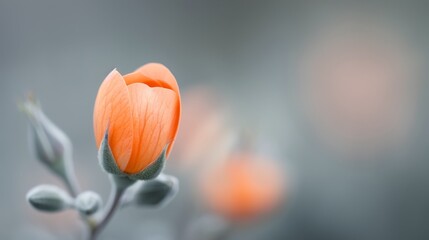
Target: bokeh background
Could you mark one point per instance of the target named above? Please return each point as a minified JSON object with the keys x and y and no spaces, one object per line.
{"x":334,"y":92}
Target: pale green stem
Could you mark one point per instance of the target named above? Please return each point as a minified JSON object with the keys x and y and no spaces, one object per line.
{"x":119,"y":186}
{"x":71,"y":184}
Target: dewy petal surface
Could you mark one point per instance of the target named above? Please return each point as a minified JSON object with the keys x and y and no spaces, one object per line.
{"x":153,"y":110}
{"x":158,"y":75}
{"x":112,"y":111}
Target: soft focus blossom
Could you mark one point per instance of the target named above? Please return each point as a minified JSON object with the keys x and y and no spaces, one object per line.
{"x":243,"y":187}
{"x":205,"y":135}
{"x":141,"y":112}
{"x":360,"y":85}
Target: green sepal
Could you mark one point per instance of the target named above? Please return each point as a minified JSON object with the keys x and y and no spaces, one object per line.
{"x":108,"y":163}
{"x":153,"y":170}
{"x":106,"y":159}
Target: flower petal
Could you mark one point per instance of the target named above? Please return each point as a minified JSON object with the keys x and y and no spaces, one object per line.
{"x":153,"y":112}
{"x":153,"y":75}
{"x":112,"y":111}
{"x":158,"y":75}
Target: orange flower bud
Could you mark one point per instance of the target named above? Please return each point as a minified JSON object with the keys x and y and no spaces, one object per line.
{"x":141,"y":112}
{"x":245,"y":186}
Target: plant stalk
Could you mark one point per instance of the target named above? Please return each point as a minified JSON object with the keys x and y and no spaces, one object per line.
{"x":119,"y":186}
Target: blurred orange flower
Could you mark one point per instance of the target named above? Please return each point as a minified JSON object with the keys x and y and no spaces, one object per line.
{"x":243,"y":187}
{"x":141,"y":111}
{"x":205,"y":134}
{"x":359,"y":87}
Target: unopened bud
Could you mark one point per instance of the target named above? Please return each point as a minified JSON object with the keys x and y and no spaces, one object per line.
{"x":88,"y":202}
{"x":157,"y":192}
{"x":49,"y":198}
{"x":49,"y":143}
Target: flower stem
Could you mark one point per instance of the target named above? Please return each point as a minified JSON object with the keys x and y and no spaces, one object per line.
{"x":119,"y":185}
{"x":71,"y":185}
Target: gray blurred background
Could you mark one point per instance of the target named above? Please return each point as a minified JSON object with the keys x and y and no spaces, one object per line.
{"x":353,"y":143}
